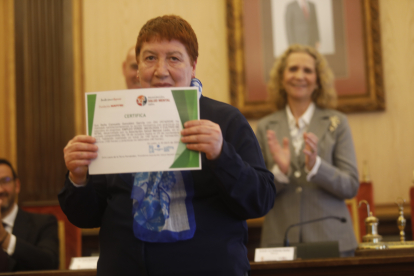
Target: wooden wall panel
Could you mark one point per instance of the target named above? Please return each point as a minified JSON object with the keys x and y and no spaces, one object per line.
{"x":7,"y":83}
{"x":78,"y":66}
{"x":44,"y":94}
{"x":385,"y":139}
{"x":111,"y":28}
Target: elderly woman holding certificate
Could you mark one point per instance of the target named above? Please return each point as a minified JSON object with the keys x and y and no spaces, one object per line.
{"x":174,"y":222}
{"x":309,"y":148}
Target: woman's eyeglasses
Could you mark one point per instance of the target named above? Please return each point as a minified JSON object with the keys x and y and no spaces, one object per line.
{"x":6,"y":181}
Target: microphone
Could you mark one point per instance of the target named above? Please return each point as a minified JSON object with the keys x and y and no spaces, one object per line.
{"x":286,"y":241}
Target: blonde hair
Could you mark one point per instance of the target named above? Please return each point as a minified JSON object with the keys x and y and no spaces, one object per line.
{"x":324,"y":95}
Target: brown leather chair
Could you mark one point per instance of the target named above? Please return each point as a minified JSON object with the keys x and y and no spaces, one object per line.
{"x":359,"y":215}
{"x":352,"y":205}
{"x":70,"y":236}
{"x":365,"y":192}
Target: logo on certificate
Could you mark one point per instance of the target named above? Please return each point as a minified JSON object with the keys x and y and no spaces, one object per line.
{"x":141,"y":100}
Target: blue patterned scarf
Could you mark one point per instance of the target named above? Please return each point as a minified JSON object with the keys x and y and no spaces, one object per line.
{"x":162,"y":203}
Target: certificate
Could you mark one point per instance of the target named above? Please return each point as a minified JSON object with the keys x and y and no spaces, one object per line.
{"x":139,"y":130}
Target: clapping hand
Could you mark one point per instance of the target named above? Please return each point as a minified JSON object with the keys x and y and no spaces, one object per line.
{"x":280,"y":153}
{"x":310,"y":150}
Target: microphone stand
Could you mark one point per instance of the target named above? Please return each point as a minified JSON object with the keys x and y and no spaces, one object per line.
{"x":286,"y":240}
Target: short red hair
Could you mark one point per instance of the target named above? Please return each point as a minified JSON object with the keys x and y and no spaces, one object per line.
{"x":169,"y":27}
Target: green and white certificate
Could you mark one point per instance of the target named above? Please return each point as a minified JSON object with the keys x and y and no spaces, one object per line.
{"x":138,"y":130}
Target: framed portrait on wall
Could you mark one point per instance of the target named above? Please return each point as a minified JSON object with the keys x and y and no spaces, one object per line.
{"x":346,"y":32}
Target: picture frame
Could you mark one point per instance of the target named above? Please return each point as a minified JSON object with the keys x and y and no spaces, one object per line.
{"x":247,"y":69}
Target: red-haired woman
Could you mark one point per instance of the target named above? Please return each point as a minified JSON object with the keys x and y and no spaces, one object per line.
{"x":174,"y":223}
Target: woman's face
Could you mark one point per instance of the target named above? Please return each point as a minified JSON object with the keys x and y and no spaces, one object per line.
{"x":299,"y":77}
{"x":165,"y":64}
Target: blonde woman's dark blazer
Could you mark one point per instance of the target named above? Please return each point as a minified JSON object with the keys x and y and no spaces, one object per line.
{"x":300,"y":200}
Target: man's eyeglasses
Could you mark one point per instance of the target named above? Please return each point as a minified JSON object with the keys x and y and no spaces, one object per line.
{"x":6,"y":181}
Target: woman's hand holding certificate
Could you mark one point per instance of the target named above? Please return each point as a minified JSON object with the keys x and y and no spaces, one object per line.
{"x":203,"y":136}
{"x":78,"y":154}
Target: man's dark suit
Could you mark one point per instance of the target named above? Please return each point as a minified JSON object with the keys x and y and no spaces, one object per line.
{"x":37,"y":244}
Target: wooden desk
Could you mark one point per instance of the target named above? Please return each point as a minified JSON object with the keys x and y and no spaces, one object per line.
{"x":356,"y":266}
{"x":387,"y":228}
{"x":89,"y":272}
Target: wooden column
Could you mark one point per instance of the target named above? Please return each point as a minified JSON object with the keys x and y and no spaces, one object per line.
{"x":7,"y":83}
{"x":45,"y":92}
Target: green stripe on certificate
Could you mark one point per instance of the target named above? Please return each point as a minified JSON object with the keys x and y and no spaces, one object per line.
{"x":91,"y":111}
{"x":186,"y":102}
